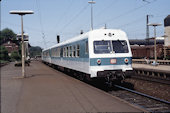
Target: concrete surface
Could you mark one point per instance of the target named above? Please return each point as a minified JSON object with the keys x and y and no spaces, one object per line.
{"x":46,"y":90}
{"x":149,"y":66}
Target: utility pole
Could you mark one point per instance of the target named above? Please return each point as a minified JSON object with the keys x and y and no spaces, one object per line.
{"x":91,"y":2}
{"x":147,"y":28}
{"x":155,"y":51}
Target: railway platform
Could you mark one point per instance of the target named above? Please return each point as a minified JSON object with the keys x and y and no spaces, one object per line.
{"x":45,"y":90}
{"x":165,"y":68}
{"x":161,"y":72}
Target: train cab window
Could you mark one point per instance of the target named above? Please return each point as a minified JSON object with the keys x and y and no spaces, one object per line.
{"x":87,"y":48}
{"x":73,"y":51}
{"x":101,"y":47}
{"x":120,"y":46}
{"x":78,"y":51}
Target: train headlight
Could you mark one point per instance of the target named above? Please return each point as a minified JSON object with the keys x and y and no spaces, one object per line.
{"x":126,"y":60}
{"x":98,"y":61}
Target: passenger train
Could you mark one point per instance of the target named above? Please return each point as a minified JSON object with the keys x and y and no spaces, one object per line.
{"x":100,"y":53}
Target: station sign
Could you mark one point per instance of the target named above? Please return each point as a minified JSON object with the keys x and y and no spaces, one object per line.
{"x":19,"y":37}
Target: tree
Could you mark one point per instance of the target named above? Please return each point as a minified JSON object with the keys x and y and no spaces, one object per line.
{"x":35,"y":51}
{"x":4,"y":53}
{"x":6,"y":34}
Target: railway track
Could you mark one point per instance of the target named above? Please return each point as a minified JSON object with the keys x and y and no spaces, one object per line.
{"x":152,"y":75}
{"x":152,"y":79}
{"x":150,"y":103}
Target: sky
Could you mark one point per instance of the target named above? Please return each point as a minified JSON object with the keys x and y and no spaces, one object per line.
{"x":68,"y":17}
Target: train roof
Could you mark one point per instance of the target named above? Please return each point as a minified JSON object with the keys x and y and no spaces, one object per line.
{"x":80,"y":37}
{"x":85,"y":35}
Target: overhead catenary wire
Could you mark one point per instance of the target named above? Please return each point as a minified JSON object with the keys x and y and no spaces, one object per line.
{"x":74,"y":18}
{"x":126,"y":13}
{"x":40,"y":18}
{"x":114,"y":2}
{"x":131,"y":23}
{"x":65,"y":13}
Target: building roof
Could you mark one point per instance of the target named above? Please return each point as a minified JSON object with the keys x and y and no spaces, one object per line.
{"x":145,"y":42}
{"x":167,"y":21}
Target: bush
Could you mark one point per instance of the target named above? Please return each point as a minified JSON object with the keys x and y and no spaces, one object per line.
{"x":4,"y":54}
{"x":15,"y":56}
{"x":167,"y":57}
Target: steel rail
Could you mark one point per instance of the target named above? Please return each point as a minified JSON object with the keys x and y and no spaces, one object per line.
{"x":139,"y":93}
{"x":151,"y":79}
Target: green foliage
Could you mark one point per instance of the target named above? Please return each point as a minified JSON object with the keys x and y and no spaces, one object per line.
{"x":35,"y":51}
{"x":4,"y":53}
{"x":15,"y":56}
{"x":6,"y":34}
{"x":167,"y":58}
{"x":2,"y":61}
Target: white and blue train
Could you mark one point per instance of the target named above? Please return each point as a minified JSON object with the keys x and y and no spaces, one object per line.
{"x":101,"y":53}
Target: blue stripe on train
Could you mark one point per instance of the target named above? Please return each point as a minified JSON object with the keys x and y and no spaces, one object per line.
{"x":71,"y":59}
{"x":106,"y":61}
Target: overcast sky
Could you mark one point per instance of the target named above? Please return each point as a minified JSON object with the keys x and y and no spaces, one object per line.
{"x":68,"y":17}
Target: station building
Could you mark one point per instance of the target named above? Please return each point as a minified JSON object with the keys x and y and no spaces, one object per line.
{"x":167,"y":36}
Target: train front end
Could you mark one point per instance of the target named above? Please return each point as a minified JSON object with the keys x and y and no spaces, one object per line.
{"x":109,"y":54}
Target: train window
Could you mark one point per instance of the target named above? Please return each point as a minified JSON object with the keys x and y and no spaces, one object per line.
{"x":120,"y":46}
{"x":102,"y":47}
{"x":87,"y":48}
{"x":73,"y":51}
{"x":53,"y":52}
{"x":78,"y":51}
{"x":70,"y":51}
{"x":66,"y":51}
{"x":58,"y":52}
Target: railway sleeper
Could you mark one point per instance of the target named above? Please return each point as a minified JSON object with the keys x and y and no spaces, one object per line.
{"x":155,"y":74}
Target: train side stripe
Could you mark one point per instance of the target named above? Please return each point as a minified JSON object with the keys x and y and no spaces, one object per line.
{"x":106,"y":61}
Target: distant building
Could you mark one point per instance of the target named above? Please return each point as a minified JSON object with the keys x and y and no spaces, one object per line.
{"x":167,"y":36}
{"x":145,"y":41}
{"x":145,"y":48}
{"x":25,"y":36}
{"x":10,"y":46}
{"x":167,"y":30}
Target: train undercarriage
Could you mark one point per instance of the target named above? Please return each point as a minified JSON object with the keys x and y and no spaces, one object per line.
{"x":108,"y":77}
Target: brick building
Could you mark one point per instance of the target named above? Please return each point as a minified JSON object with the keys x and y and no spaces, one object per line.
{"x":10,"y":46}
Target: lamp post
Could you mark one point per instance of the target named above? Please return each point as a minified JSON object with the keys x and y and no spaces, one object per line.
{"x":91,"y":2}
{"x":21,"y":13}
{"x":155,"y":53}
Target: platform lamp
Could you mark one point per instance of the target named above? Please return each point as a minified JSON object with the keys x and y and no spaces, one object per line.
{"x":155,"y":52}
{"x":21,"y":13}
